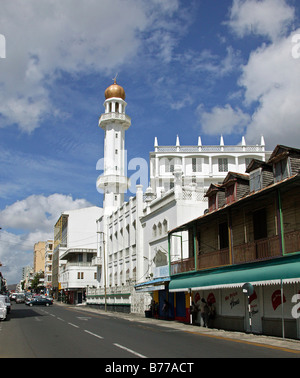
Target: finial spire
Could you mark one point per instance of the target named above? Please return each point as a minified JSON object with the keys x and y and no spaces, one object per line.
{"x":115,"y":79}
{"x":221,"y":141}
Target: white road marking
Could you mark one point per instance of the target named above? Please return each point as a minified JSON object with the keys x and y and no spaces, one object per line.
{"x":73,"y":325}
{"x":91,"y":333}
{"x":130,"y":350}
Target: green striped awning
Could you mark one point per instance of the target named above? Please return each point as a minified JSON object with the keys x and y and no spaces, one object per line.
{"x":284,"y":269}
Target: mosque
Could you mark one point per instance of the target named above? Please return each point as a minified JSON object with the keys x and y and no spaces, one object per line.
{"x":132,"y":254}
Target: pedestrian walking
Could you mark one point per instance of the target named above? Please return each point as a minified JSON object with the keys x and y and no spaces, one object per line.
{"x":165,"y":309}
{"x":204,"y":310}
{"x":194,"y":312}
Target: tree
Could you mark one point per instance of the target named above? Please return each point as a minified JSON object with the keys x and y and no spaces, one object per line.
{"x":35,"y":283}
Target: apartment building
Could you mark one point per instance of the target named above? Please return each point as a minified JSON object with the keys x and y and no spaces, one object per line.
{"x":48,"y":267}
{"x":39,"y":257}
{"x":75,"y":245}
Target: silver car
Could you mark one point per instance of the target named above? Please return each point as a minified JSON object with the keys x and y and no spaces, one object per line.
{"x":6,"y":301}
{"x":3,"y":311}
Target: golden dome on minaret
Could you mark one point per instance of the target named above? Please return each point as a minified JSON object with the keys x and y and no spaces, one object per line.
{"x":115,"y":90}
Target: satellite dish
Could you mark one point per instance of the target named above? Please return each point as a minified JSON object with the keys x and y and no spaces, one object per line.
{"x":248,"y":289}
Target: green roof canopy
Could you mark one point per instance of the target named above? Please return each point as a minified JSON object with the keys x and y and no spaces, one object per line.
{"x":285,"y":269}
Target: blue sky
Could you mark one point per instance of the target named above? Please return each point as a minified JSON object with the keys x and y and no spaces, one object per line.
{"x":192,"y":68}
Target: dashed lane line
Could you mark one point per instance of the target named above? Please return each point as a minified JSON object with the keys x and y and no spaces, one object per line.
{"x":100,"y":337}
{"x":73,"y":325}
{"x":130,"y":350}
{"x":94,"y":334}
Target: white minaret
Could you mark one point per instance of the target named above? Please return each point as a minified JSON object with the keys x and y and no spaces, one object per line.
{"x":114,"y":122}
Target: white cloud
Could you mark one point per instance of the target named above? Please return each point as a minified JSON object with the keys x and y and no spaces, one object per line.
{"x":271,"y":78}
{"x":222,"y":120}
{"x":26,"y":222}
{"x":44,"y":37}
{"x":210,"y":63}
{"x":38,"y":212}
{"x":269,"y":18}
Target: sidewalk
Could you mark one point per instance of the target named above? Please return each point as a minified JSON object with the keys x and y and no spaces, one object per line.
{"x":273,"y":342}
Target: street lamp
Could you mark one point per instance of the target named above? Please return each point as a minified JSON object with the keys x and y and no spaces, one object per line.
{"x":104,"y":266}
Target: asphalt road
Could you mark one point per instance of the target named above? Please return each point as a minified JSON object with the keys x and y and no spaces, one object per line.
{"x":66,"y":332}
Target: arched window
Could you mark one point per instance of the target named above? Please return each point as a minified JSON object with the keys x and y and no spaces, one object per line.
{"x":159,"y":227}
{"x":169,"y":165}
{"x":165,"y":226}
{"x":128,"y":234}
{"x":154,"y":231}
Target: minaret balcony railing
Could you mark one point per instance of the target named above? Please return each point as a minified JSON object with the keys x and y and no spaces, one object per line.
{"x":109,"y":180}
{"x":115,"y":116}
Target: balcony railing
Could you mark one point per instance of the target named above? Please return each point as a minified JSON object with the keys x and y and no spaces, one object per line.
{"x":210,"y":148}
{"x":259,"y":250}
{"x":214,"y":259}
{"x":185,"y":265}
{"x":97,"y":261}
{"x":114,"y":115}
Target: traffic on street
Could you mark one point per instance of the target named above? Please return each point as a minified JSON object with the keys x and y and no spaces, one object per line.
{"x":64,"y":331}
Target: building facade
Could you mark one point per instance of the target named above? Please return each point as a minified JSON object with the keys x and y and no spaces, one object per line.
{"x":27,"y":277}
{"x":39,"y":256}
{"x":75,"y":245}
{"x":132,"y":236}
{"x":48,"y":267}
{"x":250,"y":235}
{"x":199,"y":165}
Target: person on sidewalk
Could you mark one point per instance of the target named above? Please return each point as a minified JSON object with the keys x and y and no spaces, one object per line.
{"x":204,"y":310}
{"x":194,"y":312}
{"x":165,"y":309}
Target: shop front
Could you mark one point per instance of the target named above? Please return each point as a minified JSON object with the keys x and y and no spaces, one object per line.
{"x":162,"y":302}
{"x":272,"y":308}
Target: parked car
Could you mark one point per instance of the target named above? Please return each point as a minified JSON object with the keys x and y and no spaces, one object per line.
{"x":3,"y":311}
{"x":6,"y":301}
{"x":39,"y":301}
{"x":20,"y":298}
{"x":13,"y":296}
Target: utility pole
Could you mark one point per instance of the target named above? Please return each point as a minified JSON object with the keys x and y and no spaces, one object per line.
{"x":104,"y":269}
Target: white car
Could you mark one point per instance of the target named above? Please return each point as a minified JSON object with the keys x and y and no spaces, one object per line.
{"x":3,"y":311}
{"x":6,"y":301}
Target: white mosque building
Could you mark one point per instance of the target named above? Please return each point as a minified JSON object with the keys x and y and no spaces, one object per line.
{"x":132,"y":259}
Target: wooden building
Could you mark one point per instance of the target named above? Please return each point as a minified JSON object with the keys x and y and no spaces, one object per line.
{"x":250,"y":234}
